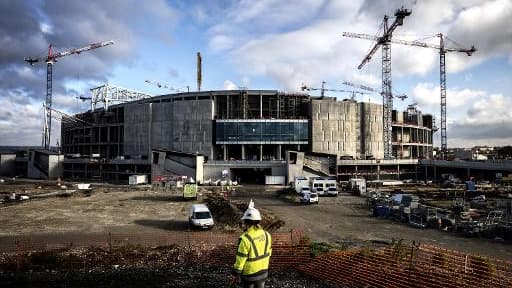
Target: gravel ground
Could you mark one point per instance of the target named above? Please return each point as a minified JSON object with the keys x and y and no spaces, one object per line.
{"x":176,"y":277}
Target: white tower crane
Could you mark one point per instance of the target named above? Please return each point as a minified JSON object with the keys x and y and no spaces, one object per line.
{"x":442,"y":73}
{"x":50,"y":60}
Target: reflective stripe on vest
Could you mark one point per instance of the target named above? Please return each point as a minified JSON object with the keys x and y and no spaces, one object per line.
{"x":255,"y":250}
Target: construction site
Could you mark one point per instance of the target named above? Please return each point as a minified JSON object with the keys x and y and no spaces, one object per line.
{"x":110,"y":206}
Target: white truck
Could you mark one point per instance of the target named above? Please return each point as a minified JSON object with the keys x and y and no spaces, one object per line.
{"x":300,"y":181}
{"x":330,"y":187}
{"x":318,"y":185}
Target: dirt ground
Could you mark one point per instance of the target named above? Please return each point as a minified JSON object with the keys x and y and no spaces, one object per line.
{"x":340,"y":220}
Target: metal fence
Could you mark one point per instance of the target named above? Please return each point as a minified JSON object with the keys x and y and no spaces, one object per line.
{"x":409,"y":266}
{"x":395,"y":265}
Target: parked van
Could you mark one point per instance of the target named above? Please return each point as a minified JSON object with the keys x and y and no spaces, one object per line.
{"x":309,"y":198}
{"x":200,"y":217}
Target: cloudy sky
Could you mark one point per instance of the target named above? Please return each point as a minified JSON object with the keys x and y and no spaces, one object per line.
{"x":265,"y":44}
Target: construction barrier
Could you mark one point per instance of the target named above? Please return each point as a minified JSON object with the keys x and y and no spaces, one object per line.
{"x":408,"y":266}
{"x":395,"y":265}
{"x":289,"y":249}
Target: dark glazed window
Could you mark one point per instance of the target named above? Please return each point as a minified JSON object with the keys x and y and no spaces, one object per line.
{"x":261,"y":131}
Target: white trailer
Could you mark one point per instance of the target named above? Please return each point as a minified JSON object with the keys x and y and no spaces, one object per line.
{"x":299,"y":182}
{"x":318,"y":185}
{"x":358,"y":186}
{"x":330,"y":187}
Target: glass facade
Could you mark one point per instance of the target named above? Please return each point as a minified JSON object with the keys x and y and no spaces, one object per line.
{"x":261,"y":132}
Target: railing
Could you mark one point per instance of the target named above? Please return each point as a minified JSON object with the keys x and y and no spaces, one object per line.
{"x":490,"y":165}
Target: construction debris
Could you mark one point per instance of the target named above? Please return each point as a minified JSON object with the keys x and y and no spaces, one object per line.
{"x":229,"y":213}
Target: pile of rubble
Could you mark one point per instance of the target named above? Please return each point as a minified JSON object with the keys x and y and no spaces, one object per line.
{"x":227,"y":213}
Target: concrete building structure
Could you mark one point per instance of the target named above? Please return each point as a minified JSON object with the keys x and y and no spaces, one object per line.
{"x":246,"y":132}
{"x":44,"y":164}
{"x":7,"y":163}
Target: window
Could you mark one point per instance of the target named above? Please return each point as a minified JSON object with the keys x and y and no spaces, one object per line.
{"x":261,"y":132}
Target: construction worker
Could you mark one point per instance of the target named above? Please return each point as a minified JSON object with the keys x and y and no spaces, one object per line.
{"x":254,"y":250}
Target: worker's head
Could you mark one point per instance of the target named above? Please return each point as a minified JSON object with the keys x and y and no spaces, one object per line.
{"x":251,"y":216}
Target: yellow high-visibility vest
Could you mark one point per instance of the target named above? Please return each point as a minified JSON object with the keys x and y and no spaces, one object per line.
{"x":254,"y":250}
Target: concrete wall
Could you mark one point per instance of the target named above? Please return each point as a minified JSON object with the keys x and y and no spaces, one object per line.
{"x":372,"y":127}
{"x":177,"y":166}
{"x":137,"y":129}
{"x":184,"y":126}
{"x":8,"y":165}
{"x":335,"y":127}
{"x":192,"y":127}
{"x":48,"y":167}
{"x":294,"y":168}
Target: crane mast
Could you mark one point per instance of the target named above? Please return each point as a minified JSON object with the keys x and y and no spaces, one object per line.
{"x":50,"y":60}
{"x":442,"y":72}
{"x":385,"y":42}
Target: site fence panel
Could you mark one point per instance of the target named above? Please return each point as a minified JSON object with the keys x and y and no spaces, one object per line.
{"x":289,"y":248}
{"x":396,"y":265}
{"x":409,"y":266}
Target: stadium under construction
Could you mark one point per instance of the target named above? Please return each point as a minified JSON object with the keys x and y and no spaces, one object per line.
{"x":248,"y":133}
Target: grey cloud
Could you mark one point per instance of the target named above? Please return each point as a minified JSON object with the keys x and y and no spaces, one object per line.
{"x":481,"y":131}
{"x":72,"y":24}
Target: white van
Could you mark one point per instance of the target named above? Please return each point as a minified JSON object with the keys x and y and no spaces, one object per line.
{"x":200,"y":217}
{"x":308,"y":197}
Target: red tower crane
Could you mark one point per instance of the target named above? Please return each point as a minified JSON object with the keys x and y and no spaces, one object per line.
{"x":50,"y":60}
{"x":442,"y":73}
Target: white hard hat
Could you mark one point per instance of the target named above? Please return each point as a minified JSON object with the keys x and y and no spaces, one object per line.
{"x":251,"y":213}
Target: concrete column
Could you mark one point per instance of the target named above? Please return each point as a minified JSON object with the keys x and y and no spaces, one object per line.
{"x":261,"y":152}
{"x":398,"y":170}
{"x":378,"y":172}
{"x":243,"y":152}
{"x":227,"y":106}
{"x":279,"y":157}
{"x":225,"y":152}
{"x":261,"y":106}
